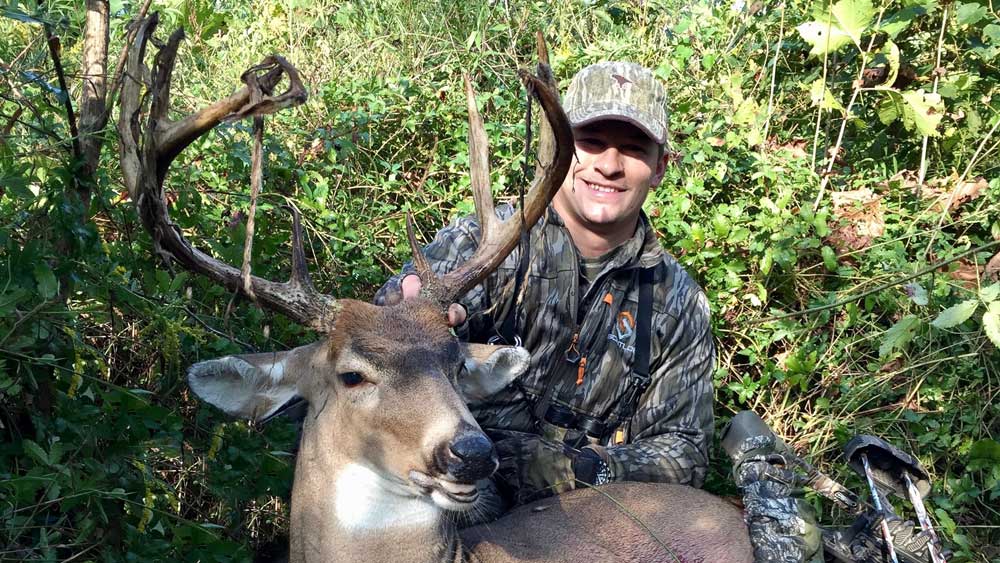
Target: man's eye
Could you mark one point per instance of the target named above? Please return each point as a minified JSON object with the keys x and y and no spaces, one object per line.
{"x":352,"y":378}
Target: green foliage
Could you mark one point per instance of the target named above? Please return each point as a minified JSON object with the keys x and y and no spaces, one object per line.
{"x":105,"y":455}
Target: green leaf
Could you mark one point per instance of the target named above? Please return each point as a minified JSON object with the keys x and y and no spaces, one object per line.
{"x":899,"y":335}
{"x":920,"y":111}
{"x":956,"y":314}
{"x":991,"y":33}
{"x":896,"y":23}
{"x":917,"y":293}
{"x":968,"y":14}
{"x":893,"y":61}
{"x":829,"y":258}
{"x":946,"y":522}
{"x":991,"y":323}
{"x":20,"y":16}
{"x":848,"y":20}
{"x":34,"y":451}
{"x":985,"y":450}
{"x":822,"y":96}
{"x":990,"y":294}
{"x":854,"y":16}
{"x":48,"y":285}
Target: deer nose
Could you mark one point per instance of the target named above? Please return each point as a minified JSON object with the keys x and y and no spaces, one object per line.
{"x":470,"y":457}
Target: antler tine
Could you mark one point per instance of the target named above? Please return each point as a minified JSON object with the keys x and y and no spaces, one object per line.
{"x":300,"y":268}
{"x":479,"y":161}
{"x":145,"y":163}
{"x":420,"y":263}
{"x":500,"y":237}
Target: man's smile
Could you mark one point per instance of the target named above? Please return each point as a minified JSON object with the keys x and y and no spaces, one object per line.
{"x":603,"y":188}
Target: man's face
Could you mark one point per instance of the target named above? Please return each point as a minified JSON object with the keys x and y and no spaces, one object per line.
{"x":615,"y":165}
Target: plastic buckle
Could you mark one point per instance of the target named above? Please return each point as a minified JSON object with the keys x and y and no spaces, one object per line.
{"x":499,"y":340}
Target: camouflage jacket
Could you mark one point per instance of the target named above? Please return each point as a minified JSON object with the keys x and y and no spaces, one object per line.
{"x":667,"y":438}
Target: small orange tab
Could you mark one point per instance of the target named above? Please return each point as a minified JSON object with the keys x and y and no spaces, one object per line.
{"x":608,"y":298}
{"x":580,"y":371}
{"x":619,"y":436}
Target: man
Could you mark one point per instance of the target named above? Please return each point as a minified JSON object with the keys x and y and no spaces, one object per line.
{"x":620,"y":383}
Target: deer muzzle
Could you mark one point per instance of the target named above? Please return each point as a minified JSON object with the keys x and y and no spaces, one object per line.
{"x":470,"y":456}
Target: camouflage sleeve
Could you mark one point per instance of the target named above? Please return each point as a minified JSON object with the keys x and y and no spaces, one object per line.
{"x":672,"y":429}
{"x":452,"y":245}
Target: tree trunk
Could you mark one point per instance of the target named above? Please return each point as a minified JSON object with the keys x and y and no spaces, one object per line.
{"x":93,"y":95}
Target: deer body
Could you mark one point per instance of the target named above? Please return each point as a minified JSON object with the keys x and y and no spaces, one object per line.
{"x":389,"y":446}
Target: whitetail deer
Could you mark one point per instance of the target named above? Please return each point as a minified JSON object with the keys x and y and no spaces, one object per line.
{"x":389,"y":447}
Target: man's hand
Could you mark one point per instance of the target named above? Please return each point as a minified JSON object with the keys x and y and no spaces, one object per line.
{"x":534,"y":467}
{"x":410,"y":286}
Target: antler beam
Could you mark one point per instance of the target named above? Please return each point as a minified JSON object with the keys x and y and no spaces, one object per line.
{"x":148,"y":149}
{"x":498,"y":238}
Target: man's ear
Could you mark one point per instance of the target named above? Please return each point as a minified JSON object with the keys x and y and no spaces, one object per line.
{"x":251,"y":386}
{"x":488,"y":369}
{"x":661,"y":166}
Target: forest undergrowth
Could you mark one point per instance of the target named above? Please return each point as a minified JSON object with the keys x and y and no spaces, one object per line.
{"x":834,"y":188}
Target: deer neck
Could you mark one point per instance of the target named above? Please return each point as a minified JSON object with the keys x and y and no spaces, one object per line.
{"x":343,"y":510}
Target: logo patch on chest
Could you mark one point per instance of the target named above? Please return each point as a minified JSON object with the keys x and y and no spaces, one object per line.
{"x":622,"y":332}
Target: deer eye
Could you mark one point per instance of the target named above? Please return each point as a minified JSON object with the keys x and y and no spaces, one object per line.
{"x":352,"y":378}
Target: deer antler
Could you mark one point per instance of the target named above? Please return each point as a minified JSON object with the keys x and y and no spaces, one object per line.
{"x":500,"y":237}
{"x":147,"y":152}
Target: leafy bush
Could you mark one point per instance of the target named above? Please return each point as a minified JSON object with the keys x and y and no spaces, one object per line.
{"x":813,"y":180}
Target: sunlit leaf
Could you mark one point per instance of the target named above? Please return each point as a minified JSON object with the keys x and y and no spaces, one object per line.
{"x":920,"y":111}
{"x":892,"y":57}
{"x":990,"y":293}
{"x":822,"y":96}
{"x":991,"y":323}
{"x":854,"y":16}
{"x":824,"y":38}
{"x":956,"y":314}
{"x":991,"y":33}
{"x":970,"y":13}
{"x":848,"y":20}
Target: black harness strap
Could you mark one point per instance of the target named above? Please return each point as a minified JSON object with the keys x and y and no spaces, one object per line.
{"x":508,"y":333}
{"x":639,"y":379}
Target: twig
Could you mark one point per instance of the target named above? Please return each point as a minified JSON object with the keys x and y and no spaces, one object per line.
{"x":5,"y":132}
{"x":846,"y":300}
{"x":819,"y":107}
{"x":774,"y":72}
{"x":54,"y":49}
{"x":120,"y":67}
{"x":847,"y":113}
{"x":937,"y":78}
{"x":965,"y":174}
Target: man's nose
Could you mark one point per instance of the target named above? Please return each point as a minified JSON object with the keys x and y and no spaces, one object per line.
{"x":609,"y":163}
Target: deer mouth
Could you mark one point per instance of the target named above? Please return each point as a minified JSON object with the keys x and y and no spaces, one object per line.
{"x":445,"y":493}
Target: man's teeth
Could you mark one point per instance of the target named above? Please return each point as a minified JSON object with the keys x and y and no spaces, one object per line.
{"x":603,"y":189}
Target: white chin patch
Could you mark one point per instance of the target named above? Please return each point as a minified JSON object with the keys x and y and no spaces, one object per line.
{"x":366,"y":501}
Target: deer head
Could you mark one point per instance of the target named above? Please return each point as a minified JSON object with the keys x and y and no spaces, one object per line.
{"x":383,"y":383}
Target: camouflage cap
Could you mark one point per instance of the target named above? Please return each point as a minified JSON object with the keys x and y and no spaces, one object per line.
{"x":620,"y":91}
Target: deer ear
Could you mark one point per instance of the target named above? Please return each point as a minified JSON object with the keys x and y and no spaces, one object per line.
{"x":488,"y":369}
{"x":252,"y":386}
